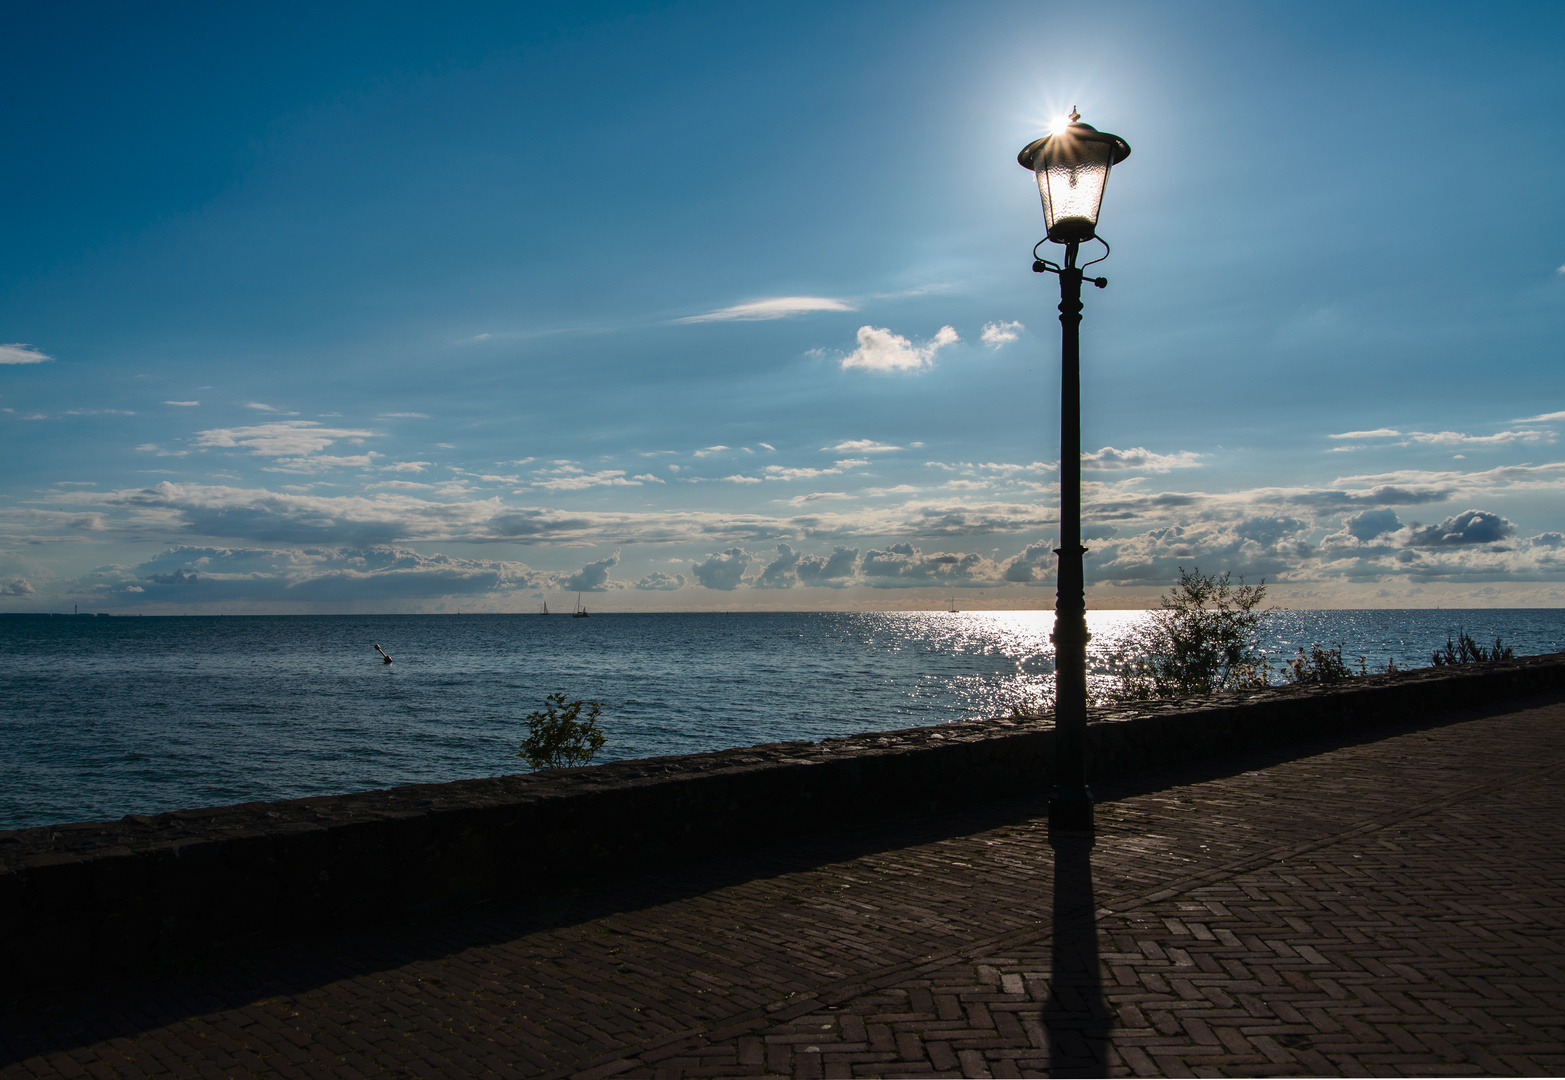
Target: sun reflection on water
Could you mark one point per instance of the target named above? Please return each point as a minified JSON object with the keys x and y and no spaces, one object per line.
{"x":996,"y":662}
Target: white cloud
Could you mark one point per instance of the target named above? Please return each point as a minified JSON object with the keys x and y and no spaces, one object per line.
{"x":902,"y":565}
{"x":407,"y":466}
{"x":791,"y":568}
{"x":777,"y":307}
{"x":767,"y":446}
{"x":18,"y":353}
{"x":576,"y":480}
{"x":660,"y":582}
{"x":722,"y":570}
{"x":297,"y":439}
{"x":881,"y":350}
{"x":594,"y":577}
{"x":705,"y":451}
{"x":182,"y":404}
{"x":396,"y":415}
{"x":1543,"y":419}
{"x":1457,"y":438}
{"x":860,"y":446}
{"x":259,"y":405}
{"x":1139,"y":457}
{"x":316,"y":462}
{"x":1378,"y":433}
{"x":779,"y":472}
{"x":997,"y":334}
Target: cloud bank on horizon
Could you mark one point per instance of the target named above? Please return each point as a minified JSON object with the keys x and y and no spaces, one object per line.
{"x":350,"y":329}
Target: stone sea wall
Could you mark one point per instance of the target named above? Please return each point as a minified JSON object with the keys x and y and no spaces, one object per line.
{"x":91,"y":897}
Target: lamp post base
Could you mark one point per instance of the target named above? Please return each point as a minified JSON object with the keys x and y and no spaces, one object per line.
{"x":1070,"y":811}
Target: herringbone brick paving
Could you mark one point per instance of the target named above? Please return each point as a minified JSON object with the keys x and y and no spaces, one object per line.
{"x":1393,"y":907}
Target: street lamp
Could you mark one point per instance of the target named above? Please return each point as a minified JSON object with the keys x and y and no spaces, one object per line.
{"x":1072,"y":166}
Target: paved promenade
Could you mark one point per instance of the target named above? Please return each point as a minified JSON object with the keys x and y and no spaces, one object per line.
{"x":1393,"y":907}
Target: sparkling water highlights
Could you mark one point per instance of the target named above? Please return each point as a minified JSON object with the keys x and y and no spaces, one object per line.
{"x":103,"y":717}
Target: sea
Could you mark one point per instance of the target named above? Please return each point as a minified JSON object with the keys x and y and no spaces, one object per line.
{"x":106,"y":716}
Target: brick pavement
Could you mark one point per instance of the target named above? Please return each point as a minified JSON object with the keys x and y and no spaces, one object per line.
{"x":1390,"y":907}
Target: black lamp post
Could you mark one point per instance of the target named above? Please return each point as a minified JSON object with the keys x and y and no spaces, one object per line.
{"x":1072,"y":166}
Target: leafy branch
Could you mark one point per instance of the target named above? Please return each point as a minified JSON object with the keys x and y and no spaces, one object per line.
{"x":558,"y":737}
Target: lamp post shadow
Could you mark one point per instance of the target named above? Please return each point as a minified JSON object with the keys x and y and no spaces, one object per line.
{"x":1076,"y":1016}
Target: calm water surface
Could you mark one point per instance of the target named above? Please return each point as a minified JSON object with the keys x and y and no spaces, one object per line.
{"x":101,"y":717}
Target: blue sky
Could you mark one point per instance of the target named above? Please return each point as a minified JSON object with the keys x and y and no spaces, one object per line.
{"x":692,"y":306}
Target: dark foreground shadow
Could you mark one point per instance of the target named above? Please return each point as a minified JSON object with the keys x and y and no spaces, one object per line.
{"x":40,"y":1023}
{"x":63,"y":1019}
{"x":1076,"y":1015}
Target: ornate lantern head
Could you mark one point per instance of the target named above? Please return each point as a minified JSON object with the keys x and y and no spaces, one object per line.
{"x":1072,"y":166}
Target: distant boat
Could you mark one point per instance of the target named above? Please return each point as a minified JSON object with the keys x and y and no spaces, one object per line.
{"x":580,"y":612}
{"x":953,"y":609}
{"x":546,"y":607}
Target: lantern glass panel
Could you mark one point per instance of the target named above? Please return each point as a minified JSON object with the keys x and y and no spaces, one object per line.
{"x":1072,"y":173}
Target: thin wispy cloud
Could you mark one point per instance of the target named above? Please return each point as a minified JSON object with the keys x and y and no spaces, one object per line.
{"x":1544,"y":418}
{"x":402,"y":415}
{"x":18,"y":353}
{"x":280,"y":439}
{"x":860,"y":446}
{"x":183,"y":404}
{"x":776,"y":307}
{"x":260,"y":406}
{"x":575,"y":480}
{"x":1457,"y":438}
{"x":881,"y":350}
{"x":1378,"y":433}
{"x":780,"y":472}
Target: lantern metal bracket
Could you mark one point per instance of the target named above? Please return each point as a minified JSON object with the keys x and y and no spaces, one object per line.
{"x":1040,"y":265}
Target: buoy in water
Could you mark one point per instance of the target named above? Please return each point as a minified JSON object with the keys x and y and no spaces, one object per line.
{"x":383,"y":655}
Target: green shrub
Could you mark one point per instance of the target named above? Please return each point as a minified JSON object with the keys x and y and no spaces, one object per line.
{"x":1200,"y":640}
{"x":1319,"y":665}
{"x":1464,"y":650}
{"x":557,"y":736}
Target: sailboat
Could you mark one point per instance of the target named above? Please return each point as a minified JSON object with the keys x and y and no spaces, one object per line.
{"x":580,"y":612}
{"x":546,"y":607}
{"x":953,"y":609}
